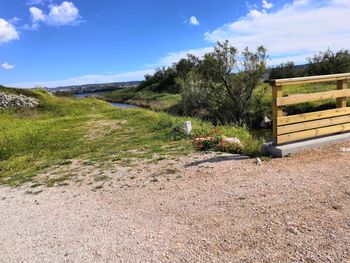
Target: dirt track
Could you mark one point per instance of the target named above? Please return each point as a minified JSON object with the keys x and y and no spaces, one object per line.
{"x":206,"y":208}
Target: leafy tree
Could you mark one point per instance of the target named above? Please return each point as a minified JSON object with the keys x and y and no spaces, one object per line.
{"x":329,"y":63}
{"x":225,"y":80}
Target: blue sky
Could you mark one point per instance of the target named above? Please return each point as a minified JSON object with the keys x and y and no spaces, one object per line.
{"x":55,"y":42}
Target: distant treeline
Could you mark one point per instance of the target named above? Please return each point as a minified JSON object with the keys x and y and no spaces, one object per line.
{"x":322,"y":63}
{"x":79,"y":89}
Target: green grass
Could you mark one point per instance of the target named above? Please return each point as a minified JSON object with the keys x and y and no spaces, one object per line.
{"x":61,"y":129}
{"x":263,"y":98}
{"x":156,"y":101}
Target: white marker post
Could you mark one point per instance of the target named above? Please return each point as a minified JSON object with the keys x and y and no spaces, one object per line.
{"x":188,"y":127}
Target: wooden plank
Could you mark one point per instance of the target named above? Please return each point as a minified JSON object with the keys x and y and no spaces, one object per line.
{"x":276,"y":111}
{"x":341,"y":85}
{"x":312,"y":79}
{"x":312,"y":133}
{"x":312,"y":124}
{"x":300,"y":98}
{"x":312,"y":116}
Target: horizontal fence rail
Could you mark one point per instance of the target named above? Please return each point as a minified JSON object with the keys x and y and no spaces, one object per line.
{"x":310,"y":125}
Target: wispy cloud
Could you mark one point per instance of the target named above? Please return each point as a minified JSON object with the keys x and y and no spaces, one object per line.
{"x":8,"y":31}
{"x":87,"y":79}
{"x":266,"y":4}
{"x":7,"y":66}
{"x":293,"y":32}
{"x":38,"y":2}
{"x":173,"y":57}
{"x":303,"y":27}
{"x":193,"y":21}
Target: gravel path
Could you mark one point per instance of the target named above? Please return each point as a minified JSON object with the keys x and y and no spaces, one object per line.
{"x":202,"y":208}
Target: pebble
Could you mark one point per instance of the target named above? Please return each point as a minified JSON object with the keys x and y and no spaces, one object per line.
{"x":258,"y":161}
{"x":345,"y":150}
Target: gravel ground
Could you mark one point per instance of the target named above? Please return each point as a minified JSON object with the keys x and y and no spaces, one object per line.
{"x":201,"y":208}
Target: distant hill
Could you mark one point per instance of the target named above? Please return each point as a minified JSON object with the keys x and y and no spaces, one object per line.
{"x":90,"y":88}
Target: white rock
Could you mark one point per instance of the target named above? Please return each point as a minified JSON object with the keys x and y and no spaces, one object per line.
{"x":258,"y":161}
{"x":16,"y":101}
{"x":234,"y":141}
{"x":345,"y":150}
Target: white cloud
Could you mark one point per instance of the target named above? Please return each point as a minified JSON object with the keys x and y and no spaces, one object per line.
{"x":64,"y":14}
{"x":59,"y":15}
{"x":256,"y":13}
{"x":7,"y":66}
{"x":87,"y":79}
{"x":7,"y":31}
{"x":266,"y":4}
{"x":37,"y":14}
{"x":303,"y":27}
{"x":292,"y":33}
{"x":193,"y":21}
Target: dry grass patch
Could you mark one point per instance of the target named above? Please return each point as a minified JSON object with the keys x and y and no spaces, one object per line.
{"x":100,"y":128}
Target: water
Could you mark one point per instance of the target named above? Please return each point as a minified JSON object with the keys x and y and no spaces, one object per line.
{"x":118,"y":105}
{"x":90,"y":94}
{"x":124,"y":105}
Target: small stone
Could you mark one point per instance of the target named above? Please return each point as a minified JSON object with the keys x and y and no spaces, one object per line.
{"x":258,"y":161}
{"x":345,"y":150}
{"x":336,"y":206}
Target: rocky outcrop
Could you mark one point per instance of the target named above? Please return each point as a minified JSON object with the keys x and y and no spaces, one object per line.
{"x":16,"y":101}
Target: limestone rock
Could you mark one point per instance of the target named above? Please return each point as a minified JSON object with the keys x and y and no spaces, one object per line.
{"x":235,"y":141}
{"x":16,"y":101}
{"x":258,"y":161}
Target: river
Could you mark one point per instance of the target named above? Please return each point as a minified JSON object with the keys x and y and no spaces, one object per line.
{"x":118,"y":105}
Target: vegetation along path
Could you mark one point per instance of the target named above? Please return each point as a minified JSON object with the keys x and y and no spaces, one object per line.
{"x":199,"y":208}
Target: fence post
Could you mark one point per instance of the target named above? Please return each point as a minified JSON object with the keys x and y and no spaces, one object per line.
{"x":341,"y":102}
{"x":276,"y":111}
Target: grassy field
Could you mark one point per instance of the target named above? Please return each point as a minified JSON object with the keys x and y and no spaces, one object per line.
{"x":145,"y":98}
{"x":65,"y":129}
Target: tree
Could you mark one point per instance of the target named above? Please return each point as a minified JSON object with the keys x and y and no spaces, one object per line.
{"x":329,"y":63}
{"x":227,"y":79}
{"x":286,"y":70}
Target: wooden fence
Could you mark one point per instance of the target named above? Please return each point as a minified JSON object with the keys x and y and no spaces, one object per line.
{"x":309,"y":125}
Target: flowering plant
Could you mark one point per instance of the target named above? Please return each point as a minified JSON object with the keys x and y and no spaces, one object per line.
{"x":205,"y":141}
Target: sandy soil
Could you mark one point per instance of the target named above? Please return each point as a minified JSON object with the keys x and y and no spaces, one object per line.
{"x":202,"y":208}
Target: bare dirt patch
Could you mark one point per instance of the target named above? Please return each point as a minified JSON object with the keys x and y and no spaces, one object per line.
{"x":99,"y":128}
{"x":201,"y":208}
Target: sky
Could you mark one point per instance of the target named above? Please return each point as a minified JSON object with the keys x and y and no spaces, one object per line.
{"x":57,"y":43}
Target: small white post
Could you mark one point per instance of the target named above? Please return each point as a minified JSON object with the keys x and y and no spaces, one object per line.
{"x":188,"y":127}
